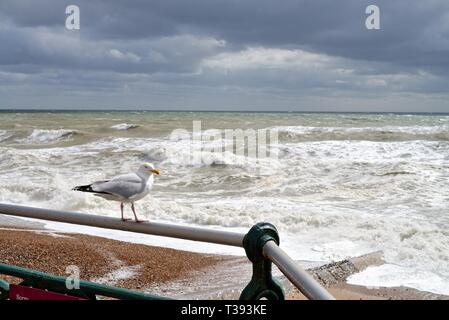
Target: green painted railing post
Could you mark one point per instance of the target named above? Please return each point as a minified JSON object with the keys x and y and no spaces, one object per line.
{"x":262,"y":284}
{"x":4,"y":289}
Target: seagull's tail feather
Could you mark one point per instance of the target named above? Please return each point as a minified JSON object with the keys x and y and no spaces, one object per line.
{"x":86,"y":188}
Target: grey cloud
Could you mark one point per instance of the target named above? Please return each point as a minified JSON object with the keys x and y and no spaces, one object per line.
{"x":414,"y":33}
{"x":46,"y":48}
{"x":147,"y":47}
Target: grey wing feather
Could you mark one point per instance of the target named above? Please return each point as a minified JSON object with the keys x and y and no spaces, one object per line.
{"x":124,"y":186}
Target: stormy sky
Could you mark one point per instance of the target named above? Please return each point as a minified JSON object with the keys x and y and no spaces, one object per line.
{"x":225,"y":55}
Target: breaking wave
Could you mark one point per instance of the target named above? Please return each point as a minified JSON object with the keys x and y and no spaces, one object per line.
{"x":4,"y":135}
{"x":385,"y":133}
{"x":44,"y":136}
{"x":124,"y":126}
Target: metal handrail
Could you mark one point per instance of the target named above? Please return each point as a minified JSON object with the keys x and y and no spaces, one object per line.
{"x":298,"y":276}
{"x":153,"y":228}
{"x":295,"y":273}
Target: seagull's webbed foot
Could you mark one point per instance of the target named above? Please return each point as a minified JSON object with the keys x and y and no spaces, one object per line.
{"x":126,"y":219}
{"x":140,"y":221}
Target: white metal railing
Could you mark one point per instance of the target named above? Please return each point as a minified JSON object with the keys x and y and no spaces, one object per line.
{"x":297,"y":275}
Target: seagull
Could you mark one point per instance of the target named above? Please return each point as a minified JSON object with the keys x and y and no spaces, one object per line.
{"x":126,"y":188}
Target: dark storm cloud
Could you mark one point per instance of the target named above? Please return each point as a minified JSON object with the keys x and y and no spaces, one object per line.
{"x":414,"y":32}
{"x":308,"y":47}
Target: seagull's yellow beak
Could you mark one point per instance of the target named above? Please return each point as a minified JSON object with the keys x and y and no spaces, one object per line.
{"x":155,"y":171}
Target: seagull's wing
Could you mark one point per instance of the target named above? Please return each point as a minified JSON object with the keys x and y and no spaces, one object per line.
{"x":125,"y":186}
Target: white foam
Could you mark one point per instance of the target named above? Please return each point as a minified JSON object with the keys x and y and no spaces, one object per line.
{"x":389,"y":275}
{"x":43,"y":136}
{"x":124,"y":126}
{"x":121,"y":273}
{"x":412,"y":129}
{"x":4,"y":134}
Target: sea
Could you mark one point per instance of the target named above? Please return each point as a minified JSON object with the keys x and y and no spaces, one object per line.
{"x":336,"y":185}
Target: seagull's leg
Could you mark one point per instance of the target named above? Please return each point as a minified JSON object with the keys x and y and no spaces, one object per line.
{"x":135,"y":216}
{"x":121,"y":209}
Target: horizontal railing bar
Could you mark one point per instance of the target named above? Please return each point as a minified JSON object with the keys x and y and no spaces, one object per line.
{"x":297,"y":275}
{"x":152,"y":228}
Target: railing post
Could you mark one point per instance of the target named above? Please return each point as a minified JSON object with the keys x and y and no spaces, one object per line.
{"x":262,"y":284}
{"x":4,"y":289}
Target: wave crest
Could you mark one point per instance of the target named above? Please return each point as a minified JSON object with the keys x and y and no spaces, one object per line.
{"x":49,"y":136}
{"x":4,"y":135}
{"x":385,"y":133}
{"x":124,"y":126}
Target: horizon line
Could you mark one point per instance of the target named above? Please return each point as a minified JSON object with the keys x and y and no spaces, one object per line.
{"x":5,"y":110}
